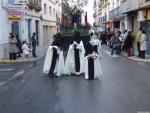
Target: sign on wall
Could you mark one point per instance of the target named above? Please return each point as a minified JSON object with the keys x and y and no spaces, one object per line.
{"x":14,"y":12}
{"x":16,"y":1}
{"x":141,"y":15}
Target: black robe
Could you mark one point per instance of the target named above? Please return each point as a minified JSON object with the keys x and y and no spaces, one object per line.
{"x":89,"y":49}
{"x":56,"y":42}
{"x":77,"y":58}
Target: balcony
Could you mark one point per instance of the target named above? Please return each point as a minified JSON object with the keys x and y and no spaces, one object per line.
{"x":144,"y":3}
{"x":31,"y":4}
{"x":34,"y":4}
{"x":38,"y":7}
{"x":114,"y":14}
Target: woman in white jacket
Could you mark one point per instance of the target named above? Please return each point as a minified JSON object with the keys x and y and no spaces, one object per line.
{"x":143,"y":44}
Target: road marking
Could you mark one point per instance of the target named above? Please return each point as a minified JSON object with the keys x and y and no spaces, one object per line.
{"x":18,"y":74}
{"x":109,"y":53}
{"x":143,"y":112}
{"x":6,"y":70}
{"x":141,"y":63}
{"x":2,"y":83}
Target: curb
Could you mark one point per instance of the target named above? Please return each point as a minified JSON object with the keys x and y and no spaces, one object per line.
{"x":19,"y":61}
{"x":138,"y":59}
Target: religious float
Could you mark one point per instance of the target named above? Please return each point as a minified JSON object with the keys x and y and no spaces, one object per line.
{"x":76,"y":19}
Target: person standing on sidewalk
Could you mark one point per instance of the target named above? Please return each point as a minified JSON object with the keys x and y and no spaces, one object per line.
{"x":143,"y":45}
{"x":26,"y":50}
{"x":129,"y":43}
{"x":19,"y":46}
{"x":12,"y":46}
{"x":124,"y":36}
{"x":137,"y":39}
{"x":34,"y":43}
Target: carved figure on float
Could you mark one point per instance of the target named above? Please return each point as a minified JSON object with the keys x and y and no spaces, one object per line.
{"x":75,"y":14}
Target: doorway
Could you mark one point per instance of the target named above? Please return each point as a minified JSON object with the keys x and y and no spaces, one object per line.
{"x":29,"y":32}
{"x":15,"y":28}
{"x":37,"y":31}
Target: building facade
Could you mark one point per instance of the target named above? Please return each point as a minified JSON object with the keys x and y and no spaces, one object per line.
{"x":131,"y":15}
{"x":39,"y":16}
{"x":130,"y":7}
{"x":51,"y":16}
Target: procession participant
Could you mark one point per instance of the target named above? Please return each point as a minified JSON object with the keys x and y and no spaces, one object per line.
{"x":92,"y":62}
{"x":75,"y":57}
{"x":97,"y":43}
{"x":54,"y":61}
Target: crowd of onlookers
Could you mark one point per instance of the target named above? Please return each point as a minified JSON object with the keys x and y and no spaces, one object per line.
{"x":18,"y":48}
{"x":124,"y":42}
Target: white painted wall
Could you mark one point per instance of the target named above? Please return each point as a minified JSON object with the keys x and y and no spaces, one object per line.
{"x":129,"y":5}
{"x":48,"y":26}
{"x":4,"y":30}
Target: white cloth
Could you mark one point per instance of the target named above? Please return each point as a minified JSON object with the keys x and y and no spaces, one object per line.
{"x":97,"y":68}
{"x":25,"y":49}
{"x":143,"y":44}
{"x":59,"y":68}
{"x":96,"y":42}
{"x":70,"y":61}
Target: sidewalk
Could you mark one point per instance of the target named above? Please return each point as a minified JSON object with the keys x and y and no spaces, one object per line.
{"x":40,"y":54}
{"x":147,"y":57}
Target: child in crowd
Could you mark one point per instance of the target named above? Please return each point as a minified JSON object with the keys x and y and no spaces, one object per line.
{"x":25,"y":49}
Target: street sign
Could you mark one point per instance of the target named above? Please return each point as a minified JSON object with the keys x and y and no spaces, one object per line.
{"x":14,"y":12}
{"x":16,"y":1}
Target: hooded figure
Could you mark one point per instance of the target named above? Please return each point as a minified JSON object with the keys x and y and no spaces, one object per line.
{"x":75,"y":57}
{"x":54,"y":61}
{"x":92,"y":62}
{"x":96,"y":43}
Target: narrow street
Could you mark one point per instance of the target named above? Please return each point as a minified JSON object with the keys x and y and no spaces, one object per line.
{"x":124,"y":88}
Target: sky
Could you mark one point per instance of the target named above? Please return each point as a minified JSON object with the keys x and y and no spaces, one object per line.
{"x":89,"y":9}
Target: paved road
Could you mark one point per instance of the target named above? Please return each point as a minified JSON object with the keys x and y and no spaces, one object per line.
{"x":124,"y":88}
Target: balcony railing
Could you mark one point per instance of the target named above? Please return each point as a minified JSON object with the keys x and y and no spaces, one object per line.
{"x":114,"y":13}
{"x":34,"y":4}
{"x":144,"y":3}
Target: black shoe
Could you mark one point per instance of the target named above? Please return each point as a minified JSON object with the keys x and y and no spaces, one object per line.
{"x":34,"y":56}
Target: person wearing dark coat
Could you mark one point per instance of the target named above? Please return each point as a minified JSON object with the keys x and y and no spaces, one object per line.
{"x":104,"y":39}
{"x":19,"y":46}
{"x":12,"y":46}
{"x":34,"y":44}
{"x":129,"y":43}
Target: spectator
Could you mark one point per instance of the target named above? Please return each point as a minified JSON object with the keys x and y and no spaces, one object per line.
{"x":116,"y":44}
{"x":124,"y":36}
{"x":26,"y":50}
{"x":129,"y":43}
{"x":104,"y":39}
{"x":138,"y":39}
{"x":12,"y":46}
{"x":34,"y":43}
{"x":143,"y":45}
{"x":19,"y":46}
